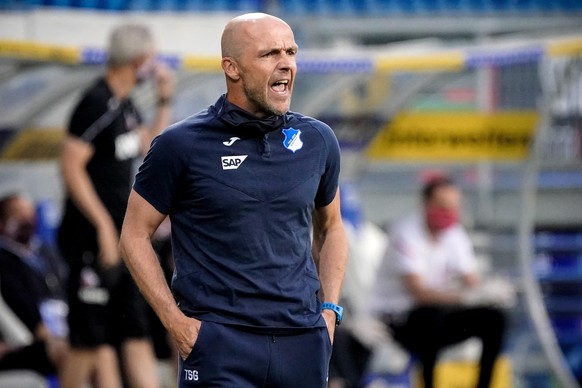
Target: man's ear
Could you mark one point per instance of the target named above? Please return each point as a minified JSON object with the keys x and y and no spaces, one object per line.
{"x":230,"y":68}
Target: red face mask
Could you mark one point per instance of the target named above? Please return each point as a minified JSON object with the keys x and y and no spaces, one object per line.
{"x":439,"y":218}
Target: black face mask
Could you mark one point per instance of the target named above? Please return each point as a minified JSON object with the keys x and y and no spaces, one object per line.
{"x":21,"y":232}
{"x":238,"y":117}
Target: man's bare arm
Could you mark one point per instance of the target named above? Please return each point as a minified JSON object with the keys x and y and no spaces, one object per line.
{"x":425,"y":295}
{"x":330,"y":252}
{"x":75,"y":154}
{"x":141,"y":221}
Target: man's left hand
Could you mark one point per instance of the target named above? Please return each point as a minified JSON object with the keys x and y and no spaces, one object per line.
{"x":329,"y":317}
{"x":164,"y":81}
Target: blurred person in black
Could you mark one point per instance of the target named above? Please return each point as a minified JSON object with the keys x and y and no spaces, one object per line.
{"x":438,"y":297}
{"x":106,"y":136}
{"x":20,"y":232}
{"x":25,"y":291}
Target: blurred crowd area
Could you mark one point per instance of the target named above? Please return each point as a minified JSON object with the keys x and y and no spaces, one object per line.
{"x":366,"y":8}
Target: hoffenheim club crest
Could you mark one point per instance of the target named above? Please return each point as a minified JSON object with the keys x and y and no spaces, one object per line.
{"x":292,"y":139}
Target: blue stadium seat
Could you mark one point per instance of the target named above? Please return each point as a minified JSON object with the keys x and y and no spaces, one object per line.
{"x":389,"y":7}
{"x":163,"y":5}
{"x":476,"y":6}
{"x":454,"y":6}
{"x":217,"y":5}
{"x":191,"y":5}
{"x":345,"y":7}
{"x":249,"y":5}
{"x":138,"y":5}
{"x":499,"y":5}
{"x":114,"y":5}
{"x":59,"y":3}
{"x":294,"y":7}
{"x":89,"y":4}
{"x":570,"y":5}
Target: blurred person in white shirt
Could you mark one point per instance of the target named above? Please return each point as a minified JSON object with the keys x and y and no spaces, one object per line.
{"x":428,"y":290}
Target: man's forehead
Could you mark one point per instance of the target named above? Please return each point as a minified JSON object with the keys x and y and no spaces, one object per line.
{"x":261,"y":35}
{"x":275,"y":38}
{"x":447,"y":194}
{"x":269,"y":30}
{"x":19,"y":205}
{"x":279,"y":44}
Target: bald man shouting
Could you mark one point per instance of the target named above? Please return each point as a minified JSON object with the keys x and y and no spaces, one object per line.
{"x":246,"y":183}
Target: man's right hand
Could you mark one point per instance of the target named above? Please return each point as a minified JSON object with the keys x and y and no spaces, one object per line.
{"x":108,"y":241}
{"x":185,"y":333}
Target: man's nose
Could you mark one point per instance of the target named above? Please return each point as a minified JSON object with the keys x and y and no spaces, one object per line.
{"x":287,"y":62}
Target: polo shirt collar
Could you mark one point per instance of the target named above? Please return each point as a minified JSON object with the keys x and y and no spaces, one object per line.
{"x":244,"y":120}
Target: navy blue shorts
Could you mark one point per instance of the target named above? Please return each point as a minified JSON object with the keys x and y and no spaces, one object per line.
{"x":225,"y":356}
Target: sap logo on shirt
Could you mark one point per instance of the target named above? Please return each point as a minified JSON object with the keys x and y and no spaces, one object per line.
{"x":232,"y":162}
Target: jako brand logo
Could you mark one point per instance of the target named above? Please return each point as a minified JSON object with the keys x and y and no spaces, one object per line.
{"x":232,"y":162}
{"x":230,"y":141}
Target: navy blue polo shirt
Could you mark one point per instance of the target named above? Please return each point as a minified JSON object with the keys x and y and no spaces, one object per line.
{"x":240,"y":192}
